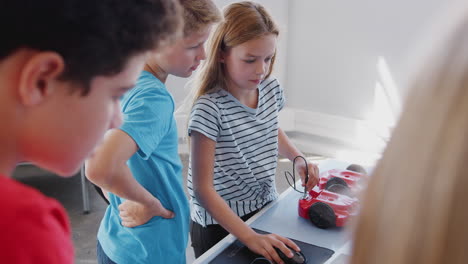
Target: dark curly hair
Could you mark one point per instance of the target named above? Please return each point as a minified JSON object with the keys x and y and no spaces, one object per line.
{"x":95,"y":37}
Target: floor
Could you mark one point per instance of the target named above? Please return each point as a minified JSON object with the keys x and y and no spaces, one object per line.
{"x":85,"y":226}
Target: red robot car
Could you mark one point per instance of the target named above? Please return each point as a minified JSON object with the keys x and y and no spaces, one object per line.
{"x":331,"y":203}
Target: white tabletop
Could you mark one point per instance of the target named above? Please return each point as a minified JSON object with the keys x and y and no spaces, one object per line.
{"x":281,"y":217}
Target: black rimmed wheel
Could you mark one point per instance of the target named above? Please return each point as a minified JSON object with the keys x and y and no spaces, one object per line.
{"x":340,"y":189}
{"x":335,"y":181}
{"x":356,"y":168}
{"x":322,"y":215}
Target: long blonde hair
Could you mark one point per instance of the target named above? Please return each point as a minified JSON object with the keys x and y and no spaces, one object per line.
{"x":415,"y":209}
{"x":243,"y":21}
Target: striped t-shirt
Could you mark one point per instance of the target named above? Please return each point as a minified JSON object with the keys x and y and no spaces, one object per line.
{"x":246,"y":148}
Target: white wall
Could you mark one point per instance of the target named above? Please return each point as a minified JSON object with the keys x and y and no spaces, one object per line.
{"x":338,"y":51}
{"x":334,"y":47}
{"x":331,"y":56}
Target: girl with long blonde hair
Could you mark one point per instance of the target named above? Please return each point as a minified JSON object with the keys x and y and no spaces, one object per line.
{"x":235,"y":137}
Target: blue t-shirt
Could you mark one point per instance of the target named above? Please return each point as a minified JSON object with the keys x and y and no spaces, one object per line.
{"x":148,"y":119}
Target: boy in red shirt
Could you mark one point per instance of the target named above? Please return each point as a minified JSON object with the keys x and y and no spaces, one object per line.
{"x":64,"y":64}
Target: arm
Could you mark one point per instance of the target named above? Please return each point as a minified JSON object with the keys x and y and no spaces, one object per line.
{"x":288,"y":150}
{"x":202,"y":173}
{"x":107,"y":169}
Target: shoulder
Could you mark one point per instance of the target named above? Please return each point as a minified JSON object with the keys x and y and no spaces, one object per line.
{"x":210,"y":101}
{"x":33,"y":221}
{"x":28,"y":203}
{"x":147,"y":86}
{"x":147,"y":80}
{"x":270,"y":84}
{"x":19,"y":195}
{"x":147,"y":91}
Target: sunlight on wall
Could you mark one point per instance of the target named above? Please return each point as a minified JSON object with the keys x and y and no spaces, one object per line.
{"x":375,"y":131}
{"x":387,"y":99}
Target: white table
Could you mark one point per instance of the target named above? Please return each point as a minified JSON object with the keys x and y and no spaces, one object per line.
{"x":281,"y":217}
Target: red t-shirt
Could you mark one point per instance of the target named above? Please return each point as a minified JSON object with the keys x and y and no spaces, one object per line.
{"x":33,"y":228}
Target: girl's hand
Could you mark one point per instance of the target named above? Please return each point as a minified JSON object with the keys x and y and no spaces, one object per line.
{"x":135,"y":214}
{"x":265,"y":245}
{"x":313,"y":173}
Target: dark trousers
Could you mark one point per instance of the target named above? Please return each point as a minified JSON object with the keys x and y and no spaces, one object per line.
{"x":203,"y":238}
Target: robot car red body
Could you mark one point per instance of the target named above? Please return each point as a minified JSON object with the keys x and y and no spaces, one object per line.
{"x":332,"y":202}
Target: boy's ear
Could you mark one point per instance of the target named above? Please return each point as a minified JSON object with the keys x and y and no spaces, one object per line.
{"x":38,"y":76}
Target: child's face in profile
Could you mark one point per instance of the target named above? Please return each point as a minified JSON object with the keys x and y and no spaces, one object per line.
{"x":184,"y":56}
{"x":71,"y":125}
{"x":247,"y":64}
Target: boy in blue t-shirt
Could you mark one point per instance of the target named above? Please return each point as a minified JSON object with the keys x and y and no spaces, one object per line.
{"x":140,"y":161}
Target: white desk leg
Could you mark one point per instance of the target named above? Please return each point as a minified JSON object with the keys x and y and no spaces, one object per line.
{"x":84,"y":191}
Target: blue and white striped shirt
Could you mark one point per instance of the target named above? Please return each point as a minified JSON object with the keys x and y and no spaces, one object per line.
{"x":246,"y":148}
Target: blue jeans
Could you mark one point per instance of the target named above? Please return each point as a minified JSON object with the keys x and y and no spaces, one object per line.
{"x":102,"y":258}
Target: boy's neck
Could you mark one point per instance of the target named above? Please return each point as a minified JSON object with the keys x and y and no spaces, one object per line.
{"x":5,"y":169}
{"x":9,"y":150}
{"x":8,"y":159}
{"x":157,"y":71}
{"x":10,"y":127}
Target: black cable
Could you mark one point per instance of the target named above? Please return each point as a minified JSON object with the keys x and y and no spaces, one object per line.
{"x":288,"y":175}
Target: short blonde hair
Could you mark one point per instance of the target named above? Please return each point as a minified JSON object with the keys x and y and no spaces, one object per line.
{"x":199,"y":14}
{"x":415,"y":206}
